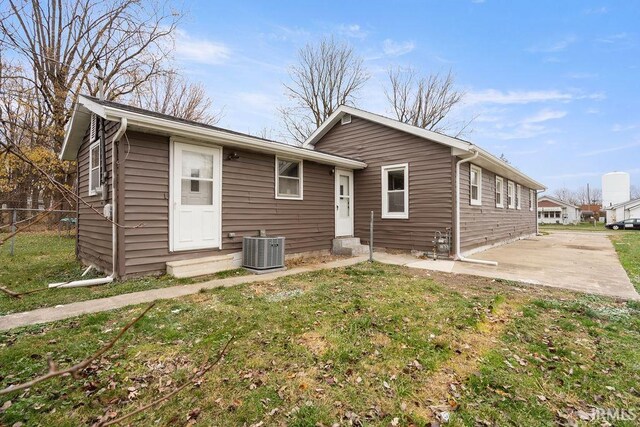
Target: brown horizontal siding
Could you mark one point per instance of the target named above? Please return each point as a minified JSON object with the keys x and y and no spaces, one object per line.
{"x":94,"y":231}
{"x":248,"y":205}
{"x":487,"y":224}
{"x":430,"y":182}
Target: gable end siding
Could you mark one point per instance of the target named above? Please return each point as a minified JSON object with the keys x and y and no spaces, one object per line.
{"x":430,"y":182}
{"x":94,"y":231}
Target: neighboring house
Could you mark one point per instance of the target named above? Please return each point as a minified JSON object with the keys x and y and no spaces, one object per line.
{"x":592,"y":211}
{"x":625,"y":210}
{"x":555,"y":211}
{"x":180,"y":190}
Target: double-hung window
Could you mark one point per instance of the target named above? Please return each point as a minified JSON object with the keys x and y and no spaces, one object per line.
{"x":518,"y":196}
{"x":532,"y":197}
{"x":395,"y":191}
{"x":475,"y":185}
{"x":499,"y":191}
{"x":511,"y":188}
{"x":288,"y":179}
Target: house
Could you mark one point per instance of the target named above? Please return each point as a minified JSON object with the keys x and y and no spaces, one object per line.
{"x":591,"y":212}
{"x":621,"y":211}
{"x":555,"y":211}
{"x":177,"y":191}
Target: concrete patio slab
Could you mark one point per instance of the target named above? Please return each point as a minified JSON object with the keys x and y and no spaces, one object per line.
{"x":578,"y":261}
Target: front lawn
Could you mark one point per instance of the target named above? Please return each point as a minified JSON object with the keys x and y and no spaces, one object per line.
{"x":43,"y":258}
{"x":364,"y":345}
{"x":627,"y":244}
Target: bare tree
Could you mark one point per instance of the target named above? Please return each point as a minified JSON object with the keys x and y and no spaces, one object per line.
{"x":424,"y":101}
{"x":328,"y":74}
{"x":567,"y":195}
{"x":170,"y":93}
{"x":635,"y":192}
{"x":60,"y":43}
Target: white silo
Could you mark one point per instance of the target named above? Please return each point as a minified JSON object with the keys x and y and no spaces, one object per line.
{"x":616,"y":188}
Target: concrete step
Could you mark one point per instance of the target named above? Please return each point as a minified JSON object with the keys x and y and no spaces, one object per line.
{"x":204,"y":266}
{"x":349,"y":246}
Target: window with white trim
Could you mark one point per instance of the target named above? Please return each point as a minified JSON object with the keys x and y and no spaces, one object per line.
{"x":518,"y":196}
{"x":94,"y":168}
{"x":532,"y":196}
{"x":499,"y":192}
{"x":511,"y":188}
{"x":288,"y":179}
{"x":475,"y":185}
{"x":395,"y":191}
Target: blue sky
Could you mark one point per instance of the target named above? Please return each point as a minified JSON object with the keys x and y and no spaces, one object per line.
{"x":553,"y":85}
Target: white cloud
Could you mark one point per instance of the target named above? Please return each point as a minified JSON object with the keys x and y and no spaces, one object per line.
{"x":617,"y":127}
{"x":609,"y":149}
{"x":494,"y":96}
{"x":257,"y":100}
{"x":584,"y":75}
{"x":613,"y":38}
{"x":545,"y":115}
{"x":596,"y":10}
{"x":393,"y":48}
{"x":200,"y":50}
{"x":352,"y":30}
{"x":556,"y":46}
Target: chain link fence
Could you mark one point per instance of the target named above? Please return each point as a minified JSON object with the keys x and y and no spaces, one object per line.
{"x":62,"y":222}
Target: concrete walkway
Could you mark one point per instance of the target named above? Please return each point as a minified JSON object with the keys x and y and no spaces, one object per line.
{"x":577,"y":261}
{"x":51,"y":314}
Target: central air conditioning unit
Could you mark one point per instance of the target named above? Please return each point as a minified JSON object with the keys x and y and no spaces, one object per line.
{"x":263,"y":253}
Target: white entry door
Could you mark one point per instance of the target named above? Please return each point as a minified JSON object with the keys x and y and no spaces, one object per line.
{"x":344,"y":203}
{"x":196,"y":187}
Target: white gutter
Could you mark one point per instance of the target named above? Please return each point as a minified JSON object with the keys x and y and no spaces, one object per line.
{"x":114,"y":159}
{"x":459,"y":256}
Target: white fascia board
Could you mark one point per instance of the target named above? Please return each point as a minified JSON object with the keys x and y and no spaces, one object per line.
{"x":228,"y":139}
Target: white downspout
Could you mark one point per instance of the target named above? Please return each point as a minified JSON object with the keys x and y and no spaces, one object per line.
{"x":459,"y":256}
{"x":114,"y":231}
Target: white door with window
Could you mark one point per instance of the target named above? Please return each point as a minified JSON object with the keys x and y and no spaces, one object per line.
{"x":344,"y":203}
{"x":196,"y":197}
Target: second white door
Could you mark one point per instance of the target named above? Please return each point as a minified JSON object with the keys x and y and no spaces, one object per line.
{"x":344,"y":203}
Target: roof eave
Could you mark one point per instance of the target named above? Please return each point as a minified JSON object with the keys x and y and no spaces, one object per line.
{"x":239,"y":141}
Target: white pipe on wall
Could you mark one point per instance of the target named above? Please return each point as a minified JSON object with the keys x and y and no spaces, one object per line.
{"x":79,"y":283}
{"x":114,"y":231}
{"x":459,"y":256}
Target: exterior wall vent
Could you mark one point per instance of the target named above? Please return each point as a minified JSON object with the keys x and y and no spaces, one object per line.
{"x":346,"y":119}
{"x":263,"y":253}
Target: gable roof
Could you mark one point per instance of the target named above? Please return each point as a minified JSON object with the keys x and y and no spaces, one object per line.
{"x":558,"y":201}
{"x":458,"y":146}
{"x":628,"y":204}
{"x":147,"y":120}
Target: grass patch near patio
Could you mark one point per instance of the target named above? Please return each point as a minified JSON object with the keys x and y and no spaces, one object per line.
{"x":43,"y":258}
{"x":360,"y":345}
{"x":627,"y":244}
{"x":581,"y":226}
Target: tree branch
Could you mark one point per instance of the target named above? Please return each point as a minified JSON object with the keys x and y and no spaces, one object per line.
{"x":75,"y":369}
{"x":206,"y":367}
